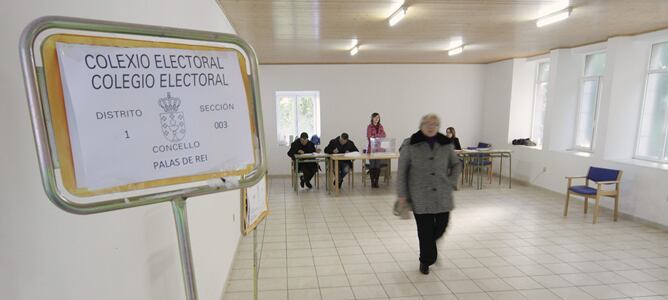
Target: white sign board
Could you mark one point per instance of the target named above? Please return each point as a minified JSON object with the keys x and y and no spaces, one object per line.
{"x":256,"y":204}
{"x":142,"y":114}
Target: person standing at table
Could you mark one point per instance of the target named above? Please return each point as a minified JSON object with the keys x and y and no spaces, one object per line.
{"x":341,"y":144}
{"x":428,"y":172}
{"x":375,"y":130}
{"x":302,"y":145}
{"x":451,"y":134}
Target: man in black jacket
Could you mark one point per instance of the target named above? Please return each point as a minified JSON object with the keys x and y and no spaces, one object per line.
{"x":341,"y":144}
{"x":301,"y":146}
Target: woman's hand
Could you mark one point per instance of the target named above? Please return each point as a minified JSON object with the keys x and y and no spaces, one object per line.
{"x":402,"y":200}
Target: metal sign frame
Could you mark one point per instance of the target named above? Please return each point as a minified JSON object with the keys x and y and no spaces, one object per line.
{"x":250,"y":226}
{"x":39,"y":104}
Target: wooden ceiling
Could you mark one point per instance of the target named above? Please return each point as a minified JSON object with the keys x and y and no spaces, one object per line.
{"x":320,"y":32}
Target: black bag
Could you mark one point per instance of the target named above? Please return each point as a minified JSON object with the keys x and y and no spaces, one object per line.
{"x":524,"y":142}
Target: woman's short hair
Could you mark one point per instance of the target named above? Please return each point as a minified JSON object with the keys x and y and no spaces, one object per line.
{"x":429,"y":117}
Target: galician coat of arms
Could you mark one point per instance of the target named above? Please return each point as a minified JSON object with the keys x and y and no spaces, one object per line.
{"x":172,"y":120}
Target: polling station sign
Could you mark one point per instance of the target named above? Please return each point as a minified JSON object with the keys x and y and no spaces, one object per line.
{"x":141,"y":114}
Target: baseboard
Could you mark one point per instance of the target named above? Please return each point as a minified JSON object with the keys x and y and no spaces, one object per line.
{"x":642,"y":221}
{"x":623,"y":215}
{"x":279,"y":176}
{"x":321,"y":174}
{"x":229,"y":271}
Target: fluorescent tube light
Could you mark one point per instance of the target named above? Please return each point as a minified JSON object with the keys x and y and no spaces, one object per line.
{"x":456,"y":42}
{"x":553,"y":18}
{"x":354,"y":50}
{"x":456,"y":51}
{"x":398,"y":15}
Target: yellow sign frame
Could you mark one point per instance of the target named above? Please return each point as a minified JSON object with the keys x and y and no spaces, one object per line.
{"x":247,"y":226}
{"x":56,"y":102}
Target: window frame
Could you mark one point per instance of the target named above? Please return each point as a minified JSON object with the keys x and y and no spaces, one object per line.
{"x":648,"y":73}
{"x":296,"y":95}
{"x":584,"y":79}
{"x":536,"y":82}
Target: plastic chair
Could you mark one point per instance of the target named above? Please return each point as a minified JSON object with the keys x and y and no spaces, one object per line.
{"x":602,"y":177}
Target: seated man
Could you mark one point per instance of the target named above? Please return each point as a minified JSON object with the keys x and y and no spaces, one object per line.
{"x":341,"y":144}
{"x":300,"y":146}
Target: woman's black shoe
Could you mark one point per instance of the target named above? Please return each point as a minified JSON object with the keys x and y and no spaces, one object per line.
{"x":424,"y":269}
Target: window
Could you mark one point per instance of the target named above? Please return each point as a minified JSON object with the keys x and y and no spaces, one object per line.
{"x":587,"y":107}
{"x":297,"y":112}
{"x":539,"y":102}
{"x":653,"y":129}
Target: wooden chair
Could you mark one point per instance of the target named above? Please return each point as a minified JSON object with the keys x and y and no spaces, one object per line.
{"x":317,"y":177}
{"x":385,"y":170}
{"x":487,"y":160}
{"x":601,"y":177}
{"x":296,"y":178}
{"x":479,"y":161}
{"x":350,"y":175}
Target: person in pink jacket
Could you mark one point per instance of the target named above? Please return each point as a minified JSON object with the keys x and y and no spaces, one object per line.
{"x":375,"y":130}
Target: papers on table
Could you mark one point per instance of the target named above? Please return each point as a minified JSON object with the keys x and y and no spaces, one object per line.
{"x":349,"y":154}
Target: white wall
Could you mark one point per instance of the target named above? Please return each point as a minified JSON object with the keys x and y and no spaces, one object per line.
{"x":521,"y":96}
{"x":498,"y":89}
{"x":628,"y":63}
{"x":644,"y":192}
{"x":400,"y":93}
{"x":46,"y":253}
{"x":565,"y":72}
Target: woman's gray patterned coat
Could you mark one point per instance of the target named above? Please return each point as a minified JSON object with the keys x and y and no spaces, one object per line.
{"x":427,"y":175}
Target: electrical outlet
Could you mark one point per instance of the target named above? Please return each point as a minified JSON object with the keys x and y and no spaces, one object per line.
{"x":234,"y":217}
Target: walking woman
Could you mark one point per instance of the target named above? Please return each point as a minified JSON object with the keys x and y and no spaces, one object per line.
{"x":375,"y":130}
{"x":428,"y":172}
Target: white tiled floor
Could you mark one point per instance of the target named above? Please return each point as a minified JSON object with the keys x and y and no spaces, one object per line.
{"x":501,"y":244}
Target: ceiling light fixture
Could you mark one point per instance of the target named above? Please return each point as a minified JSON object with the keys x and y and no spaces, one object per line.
{"x":353,"y":42}
{"x":398,"y":15}
{"x":554,"y":18}
{"x":354,"y":50}
{"x":456,"y":51}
